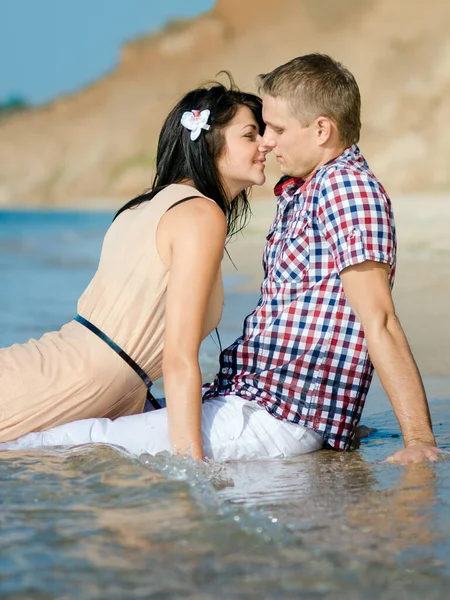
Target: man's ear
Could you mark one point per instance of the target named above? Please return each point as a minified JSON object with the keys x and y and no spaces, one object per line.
{"x":324,"y":128}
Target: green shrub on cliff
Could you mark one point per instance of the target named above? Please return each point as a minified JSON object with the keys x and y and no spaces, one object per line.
{"x":12,"y":105}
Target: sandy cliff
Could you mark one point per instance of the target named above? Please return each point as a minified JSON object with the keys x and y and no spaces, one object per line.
{"x":100,"y":143}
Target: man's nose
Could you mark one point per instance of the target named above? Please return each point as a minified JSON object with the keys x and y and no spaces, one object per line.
{"x":267,"y":142}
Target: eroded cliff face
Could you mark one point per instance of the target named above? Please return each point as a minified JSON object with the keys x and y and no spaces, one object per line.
{"x":100,"y":143}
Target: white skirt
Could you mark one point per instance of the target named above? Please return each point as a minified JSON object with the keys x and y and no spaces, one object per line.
{"x":232,"y":429}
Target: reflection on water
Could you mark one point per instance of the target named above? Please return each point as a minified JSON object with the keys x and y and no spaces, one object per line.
{"x":355,"y":503}
{"x":93,"y":522}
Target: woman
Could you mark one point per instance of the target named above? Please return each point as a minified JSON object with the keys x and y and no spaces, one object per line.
{"x":158,"y":288}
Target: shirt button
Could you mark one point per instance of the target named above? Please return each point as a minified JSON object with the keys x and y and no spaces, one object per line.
{"x":231,"y":437}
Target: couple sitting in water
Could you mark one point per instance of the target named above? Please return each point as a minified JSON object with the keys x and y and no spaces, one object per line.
{"x":296,"y":379}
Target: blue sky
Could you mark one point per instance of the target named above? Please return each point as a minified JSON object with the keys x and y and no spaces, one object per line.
{"x":51,"y":47}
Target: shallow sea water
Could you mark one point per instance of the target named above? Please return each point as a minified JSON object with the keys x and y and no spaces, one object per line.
{"x":93,"y":522}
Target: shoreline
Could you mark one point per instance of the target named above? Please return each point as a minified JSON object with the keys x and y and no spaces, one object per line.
{"x":69,"y":208}
{"x":422,"y":286}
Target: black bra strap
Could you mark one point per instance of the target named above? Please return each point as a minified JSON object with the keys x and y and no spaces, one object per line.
{"x":181,"y":201}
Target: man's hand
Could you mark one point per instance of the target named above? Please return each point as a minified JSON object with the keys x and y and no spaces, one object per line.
{"x":415,"y":454}
{"x":366,"y":287}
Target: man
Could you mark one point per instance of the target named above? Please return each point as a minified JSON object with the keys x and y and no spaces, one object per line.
{"x":326,"y":316}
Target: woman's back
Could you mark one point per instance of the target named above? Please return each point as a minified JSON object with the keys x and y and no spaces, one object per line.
{"x":132,"y":280}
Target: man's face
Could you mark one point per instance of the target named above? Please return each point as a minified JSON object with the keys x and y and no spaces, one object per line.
{"x":295,"y":146}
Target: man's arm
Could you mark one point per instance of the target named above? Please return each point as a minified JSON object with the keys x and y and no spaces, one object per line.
{"x":367,"y":290}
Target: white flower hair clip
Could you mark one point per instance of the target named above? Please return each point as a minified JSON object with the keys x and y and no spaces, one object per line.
{"x":195,"y":121}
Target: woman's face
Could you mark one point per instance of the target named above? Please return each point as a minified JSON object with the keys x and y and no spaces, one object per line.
{"x":242,"y":162}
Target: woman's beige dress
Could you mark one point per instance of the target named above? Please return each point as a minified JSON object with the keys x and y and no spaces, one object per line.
{"x":72,"y":374}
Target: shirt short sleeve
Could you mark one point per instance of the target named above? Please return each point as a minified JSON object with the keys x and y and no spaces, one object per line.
{"x":356,"y":218}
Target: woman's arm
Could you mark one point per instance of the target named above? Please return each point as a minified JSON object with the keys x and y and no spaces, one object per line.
{"x":193,"y":236}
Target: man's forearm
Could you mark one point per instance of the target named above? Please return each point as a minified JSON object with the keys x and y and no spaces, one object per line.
{"x":398,"y":373}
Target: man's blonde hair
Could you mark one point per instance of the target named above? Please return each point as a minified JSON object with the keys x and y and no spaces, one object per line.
{"x":316,"y":85}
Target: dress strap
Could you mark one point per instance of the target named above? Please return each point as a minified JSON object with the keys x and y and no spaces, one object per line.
{"x":142,"y":374}
{"x":183,"y":200}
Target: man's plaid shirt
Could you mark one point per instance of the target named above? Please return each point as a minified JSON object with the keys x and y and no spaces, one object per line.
{"x":302,"y":354}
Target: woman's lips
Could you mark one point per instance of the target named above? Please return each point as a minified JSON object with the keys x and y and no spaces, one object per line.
{"x":261,"y":163}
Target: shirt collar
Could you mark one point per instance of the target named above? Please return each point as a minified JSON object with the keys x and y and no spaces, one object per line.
{"x":288,"y":186}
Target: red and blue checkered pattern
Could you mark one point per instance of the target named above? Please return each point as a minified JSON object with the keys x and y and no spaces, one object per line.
{"x":302,"y":353}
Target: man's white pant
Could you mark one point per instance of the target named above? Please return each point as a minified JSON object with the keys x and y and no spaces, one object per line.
{"x":232,"y":428}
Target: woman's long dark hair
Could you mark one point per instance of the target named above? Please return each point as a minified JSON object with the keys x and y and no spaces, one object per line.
{"x":179,"y":159}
